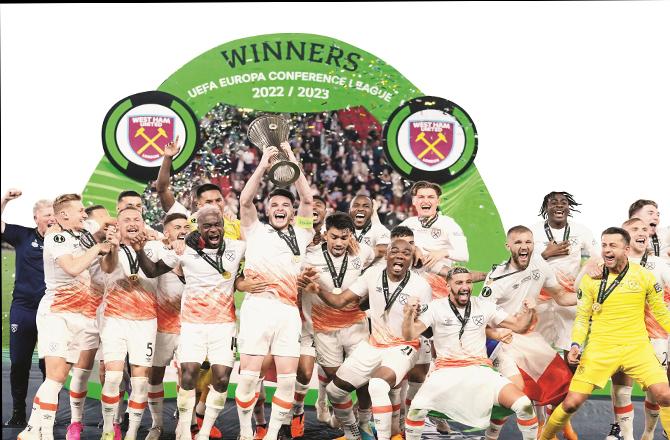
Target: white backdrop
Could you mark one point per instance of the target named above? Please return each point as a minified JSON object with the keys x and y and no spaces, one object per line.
{"x":566,"y":96}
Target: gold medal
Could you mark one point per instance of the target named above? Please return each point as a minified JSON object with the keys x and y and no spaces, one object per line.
{"x":226,"y":275}
{"x":597,"y":307}
{"x":296,"y":258}
{"x":133,"y":277}
{"x":337,"y":291}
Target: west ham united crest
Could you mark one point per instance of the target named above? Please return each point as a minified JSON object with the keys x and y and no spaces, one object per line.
{"x":431,"y":141}
{"x":430,"y":138}
{"x":149,"y":134}
{"x":138,"y":127}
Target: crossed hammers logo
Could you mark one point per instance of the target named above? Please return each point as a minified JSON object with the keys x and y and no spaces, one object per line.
{"x":151,"y":142}
{"x":430,"y":146}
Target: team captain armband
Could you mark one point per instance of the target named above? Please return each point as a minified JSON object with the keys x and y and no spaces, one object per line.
{"x":304,"y":222}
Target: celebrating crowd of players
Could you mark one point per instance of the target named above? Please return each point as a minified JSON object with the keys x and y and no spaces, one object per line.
{"x":387,"y":315}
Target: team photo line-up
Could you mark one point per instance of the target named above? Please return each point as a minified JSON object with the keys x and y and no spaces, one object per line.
{"x":387,"y":315}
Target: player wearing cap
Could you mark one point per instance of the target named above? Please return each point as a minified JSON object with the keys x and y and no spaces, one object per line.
{"x":563,"y":244}
{"x":128,"y":325}
{"x":338,"y":332}
{"x":659,"y":237}
{"x":270,"y":321}
{"x":210,"y":264}
{"x":458,"y":323}
{"x":170,"y":288}
{"x":65,"y":310}
{"x":368,"y":231}
{"x":508,"y":285}
{"x":387,"y":357}
{"x":611,"y":313}
{"x":439,"y":238}
{"x":28,"y":291}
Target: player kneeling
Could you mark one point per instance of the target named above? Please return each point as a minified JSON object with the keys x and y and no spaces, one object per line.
{"x":462,"y":369}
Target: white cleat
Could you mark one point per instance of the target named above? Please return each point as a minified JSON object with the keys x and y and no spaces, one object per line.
{"x":30,"y":433}
{"x":155,"y":433}
{"x":323,"y":414}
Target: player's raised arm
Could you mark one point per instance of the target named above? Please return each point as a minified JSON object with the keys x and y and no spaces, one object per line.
{"x":10,"y":195}
{"x":302,"y":186}
{"x":248,"y":214}
{"x":150,"y":269}
{"x":519,"y":322}
{"x":411,"y":326}
{"x":163,"y":181}
{"x":308,"y":283}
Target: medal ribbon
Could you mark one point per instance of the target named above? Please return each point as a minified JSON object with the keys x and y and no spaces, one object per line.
{"x":290,"y":240}
{"x":643,"y":261}
{"x":364,"y":231}
{"x":603,"y":292}
{"x":134,"y":263}
{"x":218,"y":264}
{"x":337,"y":278}
{"x":390,"y":299}
{"x":463,"y":319}
{"x":656,"y":245}
{"x":550,"y":236}
{"x":428,"y":223}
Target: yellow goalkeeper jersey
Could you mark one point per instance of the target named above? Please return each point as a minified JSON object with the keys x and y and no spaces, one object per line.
{"x":621,"y":318}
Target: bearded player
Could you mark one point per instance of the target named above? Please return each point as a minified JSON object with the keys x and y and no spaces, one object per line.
{"x":508,"y":285}
{"x":387,"y":357}
{"x":270,"y":321}
{"x":462,"y":367}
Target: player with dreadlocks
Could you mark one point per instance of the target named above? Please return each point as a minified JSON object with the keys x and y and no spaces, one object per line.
{"x":562,"y":243}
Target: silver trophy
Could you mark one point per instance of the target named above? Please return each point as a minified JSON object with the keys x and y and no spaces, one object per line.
{"x":271,"y":131}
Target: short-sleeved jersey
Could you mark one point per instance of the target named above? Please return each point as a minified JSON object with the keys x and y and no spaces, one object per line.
{"x":470,"y":349}
{"x":508,"y":287}
{"x":231,"y":229}
{"x":208,"y":296}
{"x":621,"y":318}
{"x":663,"y":239}
{"x":268,"y":257}
{"x":387,"y":324}
{"x":67,"y":293}
{"x":168,"y":294}
{"x":29,"y":284}
{"x":132,"y":300}
{"x":581,"y":241}
{"x":323,"y":317}
{"x":377,"y":234}
{"x":444,"y":234}
{"x":661,"y":270}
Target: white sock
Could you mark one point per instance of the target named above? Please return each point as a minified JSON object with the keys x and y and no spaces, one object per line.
{"x":651,"y":413}
{"x":343,"y":409}
{"x":110,"y":398}
{"x":78,"y":390}
{"x":323,"y":383}
{"x":623,"y":409}
{"x":215,"y":404}
{"x":137,"y":402}
{"x":525,"y":418}
{"x":299,"y":398}
{"x":245,"y":398}
{"x":381,"y":407}
{"x":200,"y":407}
{"x":48,"y":396}
{"x":493,"y":431}
{"x":156,"y":396}
{"x":281,"y":404}
{"x":185,"y":404}
{"x":35,"y":417}
{"x":395,"y":397}
{"x":414,"y":423}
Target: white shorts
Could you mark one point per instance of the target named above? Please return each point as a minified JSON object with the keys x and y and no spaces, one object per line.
{"x":661,"y":349}
{"x":269,"y":326}
{"x":62,"y":335}
{"x":425,"y":353}
{"x":443,"y":390}
{"x":90,"y":337}
{"x":134,"y":338}
{"x":307,"y":341}
{"x":166,"y":348}
{"x":505,"y":364}
{"x":365,"y":359}
{"x":333,"y":347}
{"x":214,"y":342}
{"x":555,"y":323}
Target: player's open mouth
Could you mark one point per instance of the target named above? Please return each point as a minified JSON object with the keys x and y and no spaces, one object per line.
{"x":360,"y":216}
{"x":653,"y":225}
{"x":640,"y":241}
{"x":609,"y":259}
{"x":214,"y":238}
{"x":280,"y":216}
{"x":51,"y":222}
{"x":426,"y":207}
{"x":463,"y":293}
{"x":132,"y":230}
{"x":316,"y":216}
{"x":398,"y":266}
{"x":181,"y":236}
{"x":523,"y":255}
